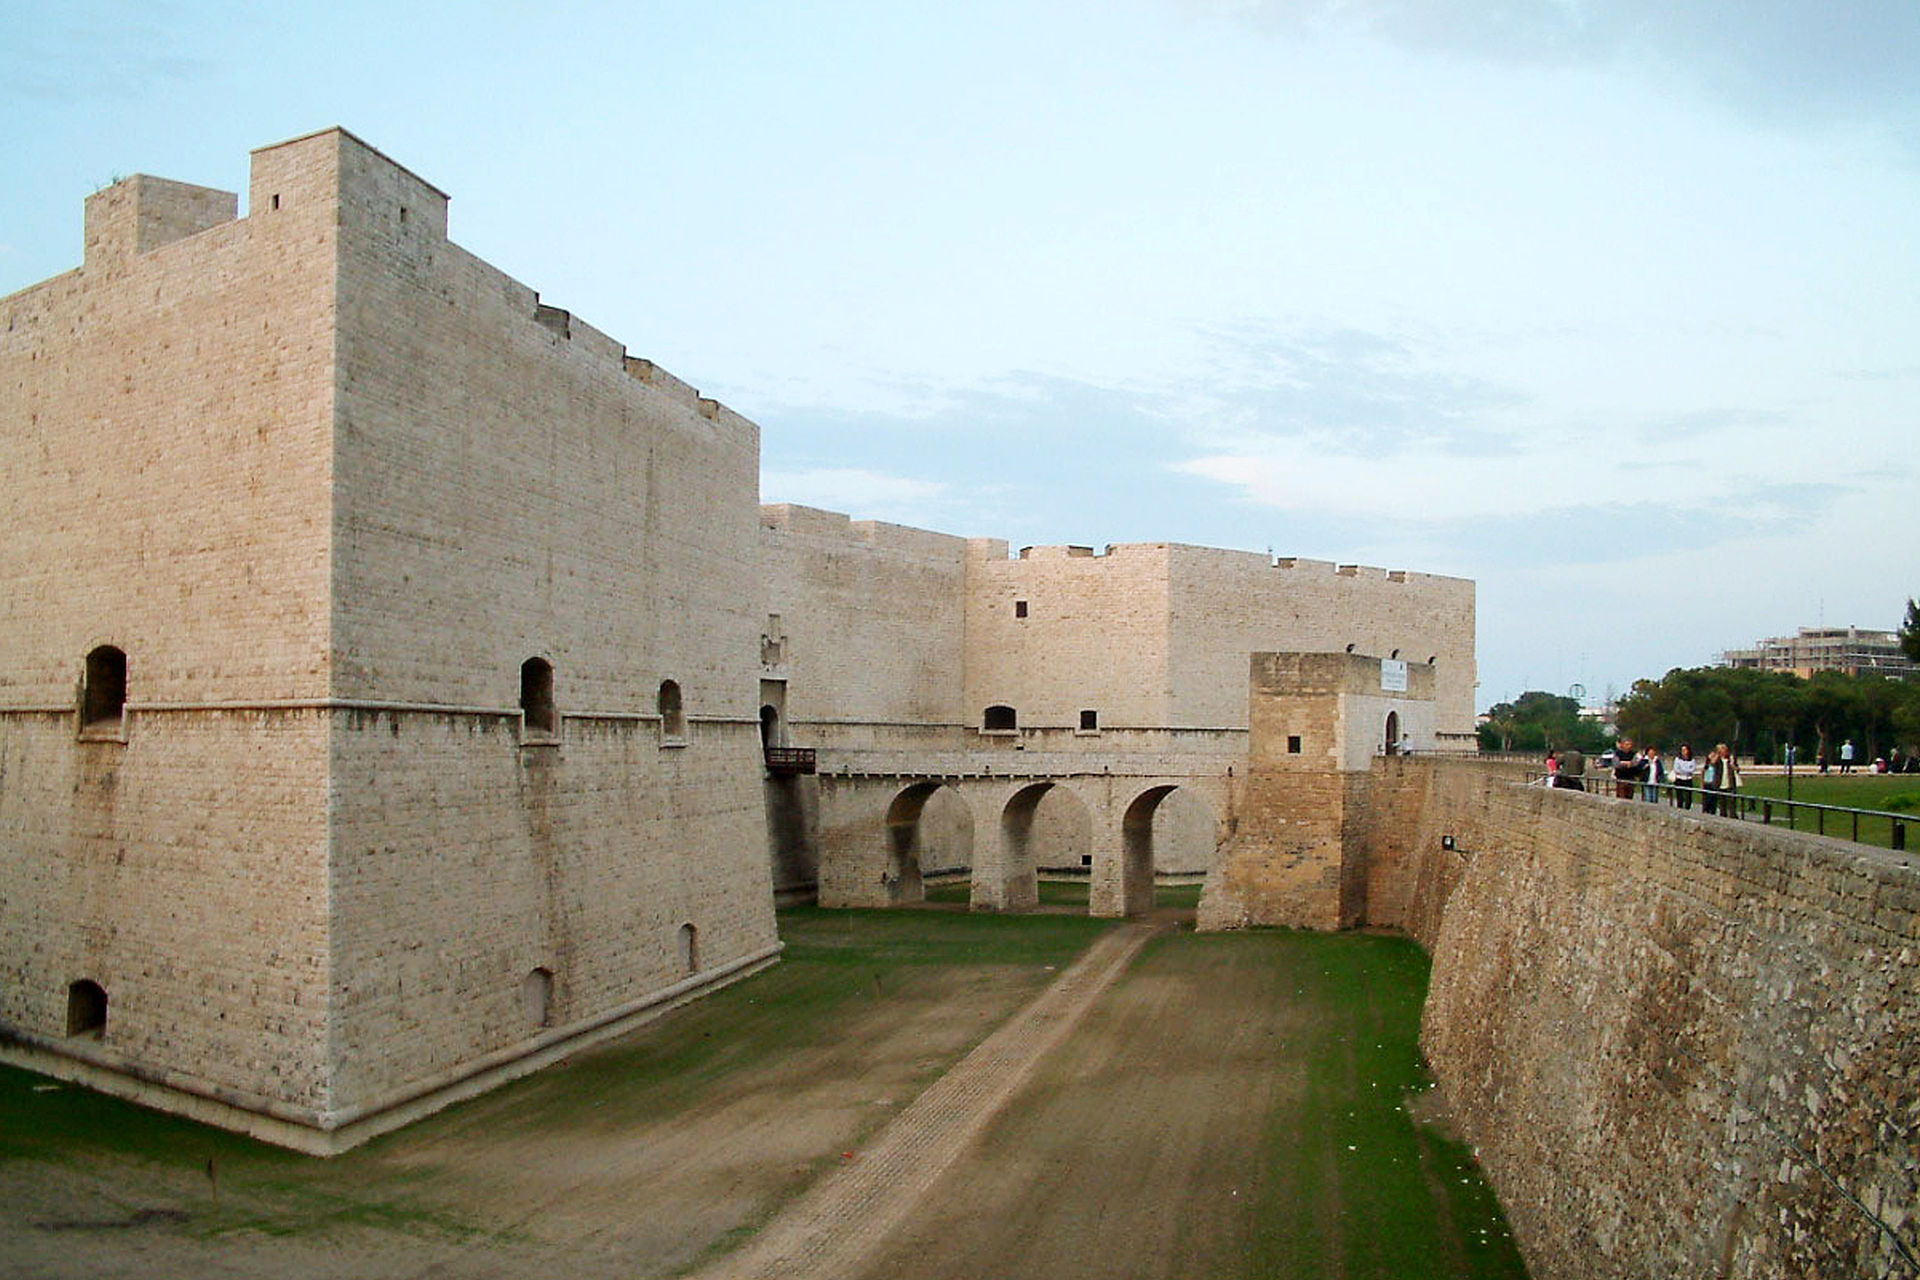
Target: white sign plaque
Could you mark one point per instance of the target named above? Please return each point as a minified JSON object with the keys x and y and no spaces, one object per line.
{"x":1393,"y":675}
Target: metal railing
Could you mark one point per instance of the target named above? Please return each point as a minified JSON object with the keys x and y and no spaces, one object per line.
{"x":1743,"y":806}
{"x":790,"y":760}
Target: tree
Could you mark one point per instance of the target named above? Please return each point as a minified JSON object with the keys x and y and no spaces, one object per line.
{"x":1910,"y":630}
{"x":1537,"y":721}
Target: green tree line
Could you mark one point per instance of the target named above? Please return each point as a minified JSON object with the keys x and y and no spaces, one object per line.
{"x":1537,"y":721}
{"x":1759,"y":712}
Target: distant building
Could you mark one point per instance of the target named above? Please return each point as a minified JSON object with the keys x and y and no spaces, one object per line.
{"x":1847,"y":649}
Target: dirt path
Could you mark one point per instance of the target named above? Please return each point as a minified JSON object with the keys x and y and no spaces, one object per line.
{"x":831,"y":1230}
{"x":1022,"y":1097}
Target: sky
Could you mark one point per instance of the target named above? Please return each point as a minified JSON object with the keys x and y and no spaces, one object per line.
{"x":1612,"y":306}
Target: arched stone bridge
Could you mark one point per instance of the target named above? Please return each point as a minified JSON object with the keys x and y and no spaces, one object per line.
{"x":871,"y":815}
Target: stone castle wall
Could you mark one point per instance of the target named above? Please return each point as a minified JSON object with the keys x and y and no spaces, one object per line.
{"x":1680,"y":1045}
{"x":1060,"y":630}
{"x":1296,"y":857}
{"x":872,"y":623}
{"x":329,"y":481}
{"x":165,"y":434}
{"x":1228,"y":604}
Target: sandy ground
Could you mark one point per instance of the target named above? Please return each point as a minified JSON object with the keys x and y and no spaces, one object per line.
{"x":1140,"y":1145}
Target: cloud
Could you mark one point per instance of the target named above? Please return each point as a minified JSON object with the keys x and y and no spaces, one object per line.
{"x":1359,"y":392}
{"x":1787,"y":60}
{"x":96,"y":50}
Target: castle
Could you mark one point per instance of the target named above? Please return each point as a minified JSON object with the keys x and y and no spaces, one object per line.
{"x":400,"y":678}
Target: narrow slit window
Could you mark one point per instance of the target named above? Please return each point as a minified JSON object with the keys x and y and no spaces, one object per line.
{"x":1019,"y":608}
{"x":1293,"y":744}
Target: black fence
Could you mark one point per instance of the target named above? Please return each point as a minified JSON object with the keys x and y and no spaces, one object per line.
{"x":1862,"y":826}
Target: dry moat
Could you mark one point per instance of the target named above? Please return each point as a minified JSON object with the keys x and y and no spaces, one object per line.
{"x":1227,"y":1105}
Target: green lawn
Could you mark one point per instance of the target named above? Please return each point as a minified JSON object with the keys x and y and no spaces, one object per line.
{"x":1897,"y":793}
{"x":1328,"y":1174}
{"x":837,"y":964}
{"x":1411,"y":1201}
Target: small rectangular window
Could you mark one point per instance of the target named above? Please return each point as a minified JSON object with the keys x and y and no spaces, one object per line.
{"x":1089,"y":721}
{"x":1293,"y":744}
{"x":1019,"y":608}
{"x":274,"y":202}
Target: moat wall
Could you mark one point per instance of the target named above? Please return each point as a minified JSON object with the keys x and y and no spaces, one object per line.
{"x":1682,"y":1046}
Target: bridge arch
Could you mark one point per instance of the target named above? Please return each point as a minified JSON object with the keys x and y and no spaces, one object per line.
{"x":1155,"y":822}
{"x":929,"y":828}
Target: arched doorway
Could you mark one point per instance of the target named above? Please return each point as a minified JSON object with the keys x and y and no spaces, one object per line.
{"x":1393,"y":734}
{"x":769,"y":727}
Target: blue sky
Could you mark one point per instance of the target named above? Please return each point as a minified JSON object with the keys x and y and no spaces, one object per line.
{"x":1612,"y":307}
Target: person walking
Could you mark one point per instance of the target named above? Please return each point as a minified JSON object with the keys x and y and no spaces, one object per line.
{"x":1846,"y":756}
{"x":1686,"y":771}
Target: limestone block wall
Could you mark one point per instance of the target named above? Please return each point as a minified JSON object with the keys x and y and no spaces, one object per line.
{"x":329,"y":481}
{"x":1061,"y":630}
{"x":465,"y":862}
{"x":1681,"y":1045}
{"x":510,"y":485}
{"x":872,"y":625}
{"x":1227,"y":604}
{"x":193,"y":893}
{"x":165,"y":434}
{"x":1297,"y":857}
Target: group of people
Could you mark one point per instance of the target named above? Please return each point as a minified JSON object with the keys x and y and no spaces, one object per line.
{"x":1647,"y":774}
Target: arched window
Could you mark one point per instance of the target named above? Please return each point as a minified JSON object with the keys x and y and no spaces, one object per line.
{"x":769,"y":727}
{"x":1000,"y":719}
{"x":536,"y":997}
{"x":86,"y":1008}
{"x":673,"y":718}
{"x":689,"y":948}
{"x":103,"y":695}
{"x":536,"y":697}
{"x":1393,"y":733}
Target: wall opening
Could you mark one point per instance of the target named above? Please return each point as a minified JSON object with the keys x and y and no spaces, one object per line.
{"x":1000,"y":719}
{"x":536,"y":997}
{"x":673,"y":716}
{"x":103,"y":693}
{"x":1393,"y":733}
{"x":536,"y":697}
{"x":86,"y":1009}
{"x":1019,"y":876}
{"x":769,"y":727}
{"x":929,"y":838}
{"x":1089,"y":721}
{"x":689,"y":948}
{"x":1293,"y":744}
{"x":1019,"y":608}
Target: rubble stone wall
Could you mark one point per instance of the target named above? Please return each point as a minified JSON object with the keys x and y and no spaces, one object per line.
{"x":1681,"y":1045}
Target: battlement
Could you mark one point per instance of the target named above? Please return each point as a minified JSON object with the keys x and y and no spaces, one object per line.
{"x":142,"y":213}
{"x":814,"y":522}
